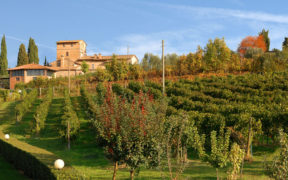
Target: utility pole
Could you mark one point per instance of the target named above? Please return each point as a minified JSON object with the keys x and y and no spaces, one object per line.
{"x":163,"y":68}
{"x":69,"y":85}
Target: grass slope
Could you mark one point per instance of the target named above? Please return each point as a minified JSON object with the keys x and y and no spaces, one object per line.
{"x":89,"y":159}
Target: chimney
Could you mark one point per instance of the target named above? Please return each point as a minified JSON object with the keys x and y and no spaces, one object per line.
{"x":99,"y":56}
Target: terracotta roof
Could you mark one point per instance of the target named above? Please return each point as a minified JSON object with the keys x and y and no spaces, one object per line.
{"x":65,"y":68}
{"x":68,"y":41}
{"x":32,"y":66}
{"x":105,"y":58}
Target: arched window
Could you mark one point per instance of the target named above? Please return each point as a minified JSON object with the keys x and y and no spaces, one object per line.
{"x":67,"y":53}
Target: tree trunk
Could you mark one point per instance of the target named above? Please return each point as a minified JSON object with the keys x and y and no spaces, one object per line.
{"x":115,"y":170}
{"x":132,"y":173}
{"x":241,"y":171}
{"x":217,"y":173}
{"x":249,"y":141}
{"x":185,"y":154}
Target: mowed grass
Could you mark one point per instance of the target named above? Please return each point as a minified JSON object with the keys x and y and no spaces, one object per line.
{"x":86,"y":157}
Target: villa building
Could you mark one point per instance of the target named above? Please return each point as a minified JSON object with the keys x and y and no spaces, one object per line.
{"x":72,"y":53}
{"x":29,"y":72}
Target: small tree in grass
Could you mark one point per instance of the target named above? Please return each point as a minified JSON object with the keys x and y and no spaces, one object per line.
{"x":70,"y":122}
{"x":130,"y":131}
{"x":219,"y":149}
{"x":42,"y":111}
{"x":236,"y":156}
{"x":279,"y":168}
{"x":219,"y":155}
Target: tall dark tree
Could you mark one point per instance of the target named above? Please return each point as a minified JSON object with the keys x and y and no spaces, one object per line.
{"x":266,"y":38}
{"x":285,"y":43}
{"x":33,"y":52}
{"x":22,"y":56}
{"x":3,"y":57}
{"x":46,"y":62}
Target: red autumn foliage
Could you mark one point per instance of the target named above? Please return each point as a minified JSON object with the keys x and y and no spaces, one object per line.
{"x":252,"y":42}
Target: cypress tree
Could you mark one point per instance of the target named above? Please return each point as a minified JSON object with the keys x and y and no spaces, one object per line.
{"x":3,"y":57}
{"x":22,"y":56}
{"x":45,"y":62}
{"x":33,"y":52}
{"x":266,"y":38}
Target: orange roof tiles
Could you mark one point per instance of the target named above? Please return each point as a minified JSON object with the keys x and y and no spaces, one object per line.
{"x":105,"y":58}
{"x":32,"y":66}
{"x":69,"y":41}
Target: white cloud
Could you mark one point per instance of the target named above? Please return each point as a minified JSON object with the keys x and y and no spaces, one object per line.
{"x":221,"y":12}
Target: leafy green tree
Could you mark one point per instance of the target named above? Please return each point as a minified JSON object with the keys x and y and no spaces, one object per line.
{"x":84,"y":67}
{"x":70,"y":122}
{"x":42,"y":111}
{"x":33,"y":52}
{"x":3,"y":57}
{"x":279,"y":168}
{"x":247,"y":125}
{"x":266,"y":38}
{"x":134,"y":71}
{"x":285,"y":48}
{"x":145,"y":64}
{"x":101,"y":93}
{"x":130,"y":131}
{"x":219,"y":156}
{"x":117,"y":69}
{"x":25,"y":105}
{"x":236,"y":156}
{"x":217,"y":55}
{"x":153,"y":61}
{"x":22,"y":56}
{"x":171,"y":59}
{"x":181,"y":66}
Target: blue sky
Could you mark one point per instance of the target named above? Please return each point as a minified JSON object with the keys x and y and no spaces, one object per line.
{"x":109,"y":26}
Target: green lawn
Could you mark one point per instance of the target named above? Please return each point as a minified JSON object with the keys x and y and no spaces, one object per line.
{"x":89,"y":159}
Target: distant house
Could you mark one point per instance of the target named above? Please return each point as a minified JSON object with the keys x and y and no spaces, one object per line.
{"x":29,"y":72}
{"x":72,"y":53}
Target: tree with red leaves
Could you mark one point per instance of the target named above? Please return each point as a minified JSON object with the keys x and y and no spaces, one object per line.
{"x":130,"y":131}
{"x":252,"y":42}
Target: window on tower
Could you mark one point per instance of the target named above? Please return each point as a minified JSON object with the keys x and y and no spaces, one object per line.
{"x":67,"y":53}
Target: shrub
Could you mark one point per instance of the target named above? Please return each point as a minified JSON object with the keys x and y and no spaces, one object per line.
{"x":42,"y":111}
{"x":70,"y":122}
{"x":25,"y":105}
{"x":279,"y":167}
{"x":135,"y":86}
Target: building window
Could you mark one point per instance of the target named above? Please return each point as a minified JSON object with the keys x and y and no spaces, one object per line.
{"x":71,"y":45}
{"x":63,"y":45}
{"x":58,"y":63}
{"x":67,"y":53}
{"x":50,"y":73}
{"x":17,"y":79}
{"x":35,"y":72}
{"x":92,"y":66}
{"x":18,"y":73}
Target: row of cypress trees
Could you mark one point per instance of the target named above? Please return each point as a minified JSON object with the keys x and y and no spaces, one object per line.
{"x":28,"y":57}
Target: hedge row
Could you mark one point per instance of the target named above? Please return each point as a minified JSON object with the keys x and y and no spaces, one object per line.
{"x":36,"y":163}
